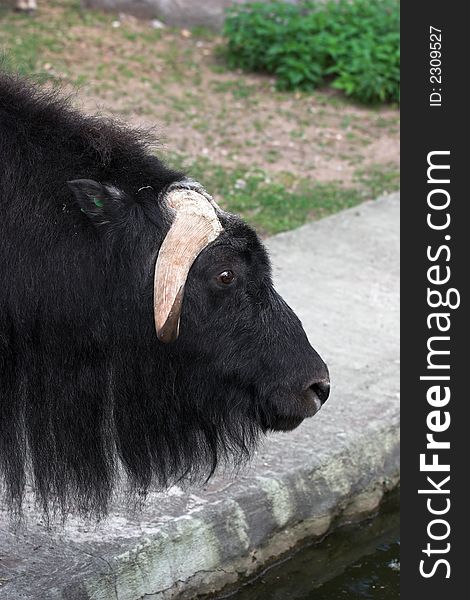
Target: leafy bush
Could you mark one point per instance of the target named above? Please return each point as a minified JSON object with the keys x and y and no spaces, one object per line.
{"x":354,"y":43}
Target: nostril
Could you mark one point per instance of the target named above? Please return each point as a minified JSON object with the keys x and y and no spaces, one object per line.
{"x":322,"y":390}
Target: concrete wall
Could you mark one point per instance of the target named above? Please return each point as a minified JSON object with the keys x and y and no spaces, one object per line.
{"x":179,"y":13}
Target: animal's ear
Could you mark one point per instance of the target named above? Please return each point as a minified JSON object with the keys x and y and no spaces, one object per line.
{"x":101,"y":203}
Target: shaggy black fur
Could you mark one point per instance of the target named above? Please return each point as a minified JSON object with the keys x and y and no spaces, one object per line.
{"x":87,"y":392}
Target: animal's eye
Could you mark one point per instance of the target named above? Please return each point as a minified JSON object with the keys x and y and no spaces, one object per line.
{"x":226,"y":277}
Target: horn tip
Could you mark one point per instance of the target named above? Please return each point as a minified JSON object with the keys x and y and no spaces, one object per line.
{"x":168,"y":333}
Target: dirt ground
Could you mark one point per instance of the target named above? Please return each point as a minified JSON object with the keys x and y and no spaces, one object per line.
{"x":236,"y":117}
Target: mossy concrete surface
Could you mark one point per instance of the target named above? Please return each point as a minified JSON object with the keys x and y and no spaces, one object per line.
{"x":341,"y":276}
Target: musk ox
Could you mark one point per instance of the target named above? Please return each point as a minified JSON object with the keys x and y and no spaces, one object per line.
{"x":140,"y":334}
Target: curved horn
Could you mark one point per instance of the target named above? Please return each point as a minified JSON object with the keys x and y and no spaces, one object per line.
{"x":195,"y":225}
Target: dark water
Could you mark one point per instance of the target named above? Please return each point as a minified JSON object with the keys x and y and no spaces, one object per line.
{"x":355,"y":563}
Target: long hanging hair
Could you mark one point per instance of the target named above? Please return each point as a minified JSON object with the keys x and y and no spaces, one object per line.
{"x":88,"y":395}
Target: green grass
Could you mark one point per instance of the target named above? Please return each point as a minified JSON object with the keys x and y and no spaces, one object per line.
{"x":239,"y":88}
{"x":278,"y":204}
{"x":25,"y":40}
{"x":203,"y":33}
{"x":378,"y":179}
{"x":22,"y":52}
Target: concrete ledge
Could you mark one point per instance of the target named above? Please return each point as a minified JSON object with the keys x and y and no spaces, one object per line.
{"x":177,"y":13}
{"x":341,"y":276}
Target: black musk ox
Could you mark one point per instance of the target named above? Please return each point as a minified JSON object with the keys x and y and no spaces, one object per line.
{"x":140,"y":334}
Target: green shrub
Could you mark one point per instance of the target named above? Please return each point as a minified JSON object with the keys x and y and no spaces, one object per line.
{"x":354,"y":44}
